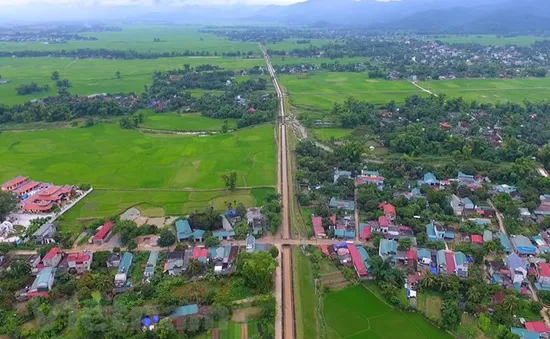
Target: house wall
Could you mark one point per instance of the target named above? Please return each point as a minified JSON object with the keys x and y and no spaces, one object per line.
{"x":543,"y":280}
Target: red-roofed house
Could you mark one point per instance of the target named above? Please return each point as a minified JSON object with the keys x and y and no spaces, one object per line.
{"x":80,"y":261}
{"x":384,"y":222}
{"x":251,"y":110}
{"x":477,"y":239}
{"x":53,"y":257}
{"x":14,"y":183}
{"x":365,"y":232}
{"x":324,"y":249}
{"x":200,"y":253}
{"x":103,"y":235}
{"x":450,"y":261}
{"x":543,"y":275}
{"x":357,"y":261}
{"x":332,"y":219}
{"x":46,"y":199}
{"x":410,"y":255}
{"x":26,"y":188}
{"x":536,"y":326}
{"x":444,"y":125}
{"x":498,"y":297}
{"x":318,"y":227}
{"x":389,"y":210}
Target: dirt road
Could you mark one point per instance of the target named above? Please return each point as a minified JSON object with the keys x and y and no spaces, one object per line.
{"x":288,"y":294}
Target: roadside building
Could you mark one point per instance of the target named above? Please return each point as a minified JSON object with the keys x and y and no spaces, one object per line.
{"x":151,"y":264}
{"x":177,"y":262}
{"x":318,"y":228}
{"x":185,"y":233}
{"x":80,"y":262}
{"x":543,"y":273}
{"x":113,"y":259}
{"x":517,"y":268}
{"x":348,"y":205}
{"x":53,"y":257}
{"x":123,"y":269}
{"x":387,"y":248}
{"x":104,"y":233}
{"x":523,"y":245}
{"x":44,"y":280}
{"x":44,"y":234}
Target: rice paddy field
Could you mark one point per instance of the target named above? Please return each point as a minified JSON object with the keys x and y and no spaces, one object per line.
{"x":89,"y":76}
{"x":290,"y":44}
{"x":356,"y":313}
{"x":322,"y":90}
{"x":174,"y":38}
{"x":183,"y":122}
{"x":520,"y":40}
{"x":107,"y":156}
{"x":326,"y":134}
{"x":287,"y":60}
{"x":306,"y":304}
{"x":493,"y":90}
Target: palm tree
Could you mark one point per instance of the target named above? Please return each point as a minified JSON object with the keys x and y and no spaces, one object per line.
{"x":193,"y":268}
{"x":379,"y":268}
{"x":429,"y":281}
{"x":474,"y":294}
{"x":102,"y":283}
{"x":510,"y":304}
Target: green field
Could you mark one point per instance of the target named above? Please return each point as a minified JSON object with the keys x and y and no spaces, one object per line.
{"x":304,"y":293}
{"x":290,"y":44}
{"x":107,"y":156}
{"x":326,"y":134}
{"x":183,"y":122}
{"x":322,"y":90}
{"x":140,"y":38}
{"x":520,"y":40}
{"x":356,"y":313}
{"x":89,"y":76}
{"x":493,"y":90}
{"x":279,"y":60}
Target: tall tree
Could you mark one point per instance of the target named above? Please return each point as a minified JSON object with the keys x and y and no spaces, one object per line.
{"x":8,"y":202}
{"x":230,"y":180}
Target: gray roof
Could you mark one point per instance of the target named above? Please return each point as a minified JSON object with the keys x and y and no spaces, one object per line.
{"x":175,"y":259}
{"x":44,"y":230}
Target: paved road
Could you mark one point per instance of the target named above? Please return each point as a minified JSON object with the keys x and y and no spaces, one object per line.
{"x":544,"y":311}
{"x":284,"y":329}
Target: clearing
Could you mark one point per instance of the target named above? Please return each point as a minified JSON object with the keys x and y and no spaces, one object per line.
{"x":356,"y":313}
{"x":107,"y":156}
{"x":326,"y":134}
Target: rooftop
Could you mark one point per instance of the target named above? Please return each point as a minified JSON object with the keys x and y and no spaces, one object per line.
{"x":104,"y":230}
{"x":184,"y":311}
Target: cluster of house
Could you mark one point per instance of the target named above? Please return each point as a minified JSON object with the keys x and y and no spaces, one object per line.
{"x":532,"y":330}
{"x":343,"y":228}
{"x":38,"y":197}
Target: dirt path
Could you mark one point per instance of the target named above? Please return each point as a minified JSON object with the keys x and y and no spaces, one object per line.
{"x":244,"y":331}
{"x":422,"y":88}
{"x":75,"y":60}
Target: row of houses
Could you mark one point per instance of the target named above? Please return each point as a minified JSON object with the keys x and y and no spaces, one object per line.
{"x":38,"y":197}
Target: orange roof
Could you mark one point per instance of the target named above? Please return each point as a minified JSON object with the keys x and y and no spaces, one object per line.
{"x":79,"y":256}
{"x":388,"y":208}
{"x":104,"y":230}
{"x":26,"y":187}
{"x":52,"y":253}
{"x":15,"y":181}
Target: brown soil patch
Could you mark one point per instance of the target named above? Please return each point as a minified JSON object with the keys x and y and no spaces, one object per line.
{"x":242,"y":315}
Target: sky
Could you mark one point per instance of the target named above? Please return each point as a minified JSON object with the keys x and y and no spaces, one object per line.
{"x":144,"y":3}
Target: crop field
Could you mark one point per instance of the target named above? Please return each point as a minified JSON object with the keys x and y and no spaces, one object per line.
{"x":107,"y":156}
{"x":89,"y":76}
{"x":322,"y":90}
{"x":290,"y":44}
{"x":326,"y":134}
{"x":356,"y":313}
{"x":105,"y":203}
{"x":279,"y":60}
{"x":304,"y":293}
{"x":140,"y":38}
{"x":183,"y":122}
{"x":493,"y":90}
{"x":520,"y":40}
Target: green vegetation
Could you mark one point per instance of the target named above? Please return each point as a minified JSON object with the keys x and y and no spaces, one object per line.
{"x":290,"y":44}
{"x":322,"y":90}
{"x":356,"y":313}
{"x":304,"y":295}
{"x":520,"y":40}
{"x":140,"y":38}
{"x":89,"y":76}
{"x":110,"y":157}
{"x":492,"y":90}
{"x":325,"y":134}
{"x":293,"y":60}
{"x":183,"y":122}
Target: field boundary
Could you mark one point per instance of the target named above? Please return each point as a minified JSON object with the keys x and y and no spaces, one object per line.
{"x":184,"y":189}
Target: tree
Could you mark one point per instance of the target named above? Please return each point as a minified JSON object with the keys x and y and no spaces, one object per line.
{"x":274,"y":251}
{"x":404,"y":244}
{"x":230,"y":180}
{"x":225,"y":126}
{"x":167,"y":238}
{"x":194,"y":267}
{"x":132,"y":245}
{"x":55,"y":75}
{"x":429,"y":281}
{"x":257,"y":270}
{"x":241,"y":210}
{"x":165,"y":329}
{"x":211,"y":241}
{"x":20,"y":269}
{"x":103,"y":282}
{"x":181,"y":247}
{"x":379,"y":267}
{"x":8,"y":202}
{"x":510,"y":304}
{"x":117,"y":74}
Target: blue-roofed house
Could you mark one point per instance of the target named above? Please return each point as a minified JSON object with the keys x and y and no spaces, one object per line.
{"x":468,"y":180}
{"x":441,"y":260}
{"x":250,"y":243}
{"x":469,"y":205}
{"x":429,"y":179}
{"x":44,"y":280}
{"x":223,"y":235}
{"x":525,"y":334}
{"x":364,"y":255}
{"x":487,"y":236}
{"x":449,"y":235}
{"x":415,"y":193}
{"x":424,"y":256}
{"x":505,"y":243}
{"x":517,"y":267}
{"x":151,"y":264}
{"x":123,"y":269}
{"x":480,"y":221}
{"x":184,"y":232}
{"x":461,"y":264}
{"x":504,"y":189}
{"x":523,"y":245}
{"x":344,"y":233}
{"x":387,"y":249}
{"x":348,"y":205}
{"x":435,"y":231}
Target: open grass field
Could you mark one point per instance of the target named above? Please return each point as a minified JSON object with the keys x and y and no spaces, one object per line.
{"x":279,"y":60}
{"x":326,"y":134}
{"x":174,"y":38}
{"x":356,"y":313}
{"x":290,"y":44}
{"x":322,"y":90}
{"x":520,"y":40}
{"x":429,"y":304}
{"x":493,"y":90}
{"x":183,"y":122}
{"x":89,"y":76}
{"x":107,"y":156}
{"x":306,"y":304}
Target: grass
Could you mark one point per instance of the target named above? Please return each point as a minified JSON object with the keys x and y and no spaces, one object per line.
{"x":107,"y":156}
{"x":279,"y":60}
{"x":322,"y":90}
{"x":356,"y":313}
{"x":232,"y":331}
{"x":520,"y":40}
{"x":291,"y":44}
{"x":104,"y":203}
{"x":139,"y":38}
{"x":326,"y":134}
{"x":493,"y":90}
{"x":304,"y":293}
{"x":429,"y":304}
{"x":89,"y":76}
{"x":183,"y":122}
